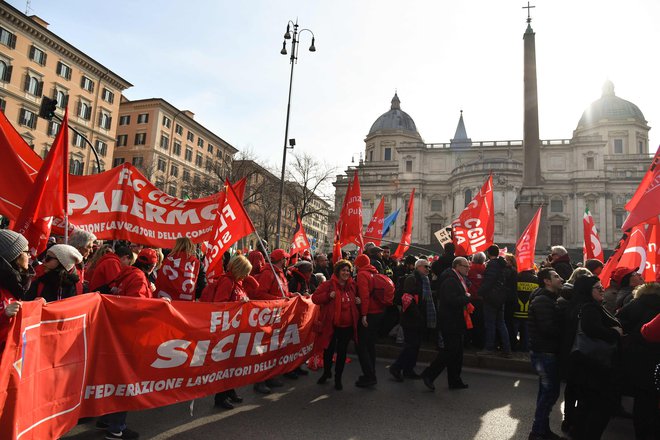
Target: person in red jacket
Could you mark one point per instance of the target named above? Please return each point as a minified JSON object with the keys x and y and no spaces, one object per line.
{"x":273,"y":285}
{"x":339,"y":319}
{"x":177,"y":277}
{"x":229,"y":287}
{"x":132,"y":280}
{"x":14,"y":278}
{"x":258,"y":262}
{"x":107,"y":269}
{"x":371,"y":315}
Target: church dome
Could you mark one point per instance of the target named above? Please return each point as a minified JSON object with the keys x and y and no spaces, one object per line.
{"x":610,"y":108}
{"x":395,"y":119}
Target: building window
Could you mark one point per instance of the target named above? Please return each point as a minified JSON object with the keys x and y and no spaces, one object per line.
{"x":160,"y":184}
{"x":186,"y":175}
{"x":162,"y":164}
{"x":143,"y":118}
{"x":371,"y":156}
{"x":197,"y":180}
{"x":108,"y":96}
{"x":32,"y":85}
{"x":618,"y":146}
{"x":409,"y":166}
{"x":27,"y":118}
{"x":556,"y":205}
{"x":137,"y":161}
{"x":178,"y":129}
{"x":189,"y":154}
{"x":87,"y":84}
{"x":105,"y":120}
{"x":210,"y":148}
{"x":164,"y":142}
{"x":84,"y":110}
{"x":174,"y":171}
{"x":640,"y":147}
{"x":140,"y":138}
{"x":619,"y":218}
{"x":122,"y":140}
{"x":53,"y":128}
{"x":200,"y":142}
{"x":467,"y":196}
{"x":176,"y":149}
{"x":172,"y":190}
{"x":5,"y":71}
{"x":75,"y":167}
{"x":218,"y":153}
{"x":388,"y":154}
{"x":125,"y":120}
{"x":101,"y":147}
{"x":590,"y":163}
{"x":7,"y":38}
{"x":78,"y":140}
{"x":63,"y":70}
{"x":167,"y":122}
{"x":190,"y":136}
{"x":37,"y":55}
{"x":62,"y":98}
{"x":436,"y":205}
{"x":117,"y":161}
{"x":3,"y":105}
{"x":556,"y":234}
{"x":198,"y":160}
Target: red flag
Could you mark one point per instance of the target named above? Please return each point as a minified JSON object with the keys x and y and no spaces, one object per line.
{"x":630,"y":252}
{"x":645,"y":203}
{"x":652,"y":255}
{"x":406,"y":238}
{"x":231,"y":224}
{"x":612,"y":262}
{"x":336,"y":246}
{"x":474,"y":229}
{"x":350,"y":219}
{"x":49,"y":195}
{"x":592,"y":247}
{"x":527,"y":243}
{"x":374,"y":231}
{"x":300,"y":241}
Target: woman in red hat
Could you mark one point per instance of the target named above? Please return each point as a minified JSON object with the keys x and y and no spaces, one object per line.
{"x":133,"y":280}
{"x":338,"y":319}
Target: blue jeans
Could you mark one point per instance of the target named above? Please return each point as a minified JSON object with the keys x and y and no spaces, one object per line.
{"x":546,"y":367}
{"x":494,"y":321}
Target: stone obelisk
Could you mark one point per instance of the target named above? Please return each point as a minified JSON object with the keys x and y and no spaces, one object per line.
{"x":531,"y":193}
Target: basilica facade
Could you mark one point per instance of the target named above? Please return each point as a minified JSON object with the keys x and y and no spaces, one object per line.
{"x":599,"y":168}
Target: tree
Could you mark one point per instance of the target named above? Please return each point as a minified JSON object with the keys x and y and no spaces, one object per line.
{"x":308,"y":179}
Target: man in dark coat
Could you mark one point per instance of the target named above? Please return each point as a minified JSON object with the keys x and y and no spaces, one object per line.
{"x":544,"y":339}
{"x":493,"y":292}
{"x":561,"y":262}
{"x":453,"y":297}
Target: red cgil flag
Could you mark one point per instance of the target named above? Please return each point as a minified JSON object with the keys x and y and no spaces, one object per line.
{"x":650,"y":273}
{"x":374,"y":231}
{"x":630,"y":252}
{"x":336,"y":246}
{"x":49,"y":195}
{"x":592,"y":247}
{"x":350,"y":219}
{"x":231,"y":224}
{"x":474,"y":229}
{"x":300,"y":241}
{"x":527,"y":243}
{"x":645,"y":203}
{"x":406,"y":238}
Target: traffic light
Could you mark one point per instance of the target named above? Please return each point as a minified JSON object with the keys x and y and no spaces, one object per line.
{"x":48,"y":107}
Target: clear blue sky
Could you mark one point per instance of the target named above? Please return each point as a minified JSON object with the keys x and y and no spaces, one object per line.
{"x":221,"y":60}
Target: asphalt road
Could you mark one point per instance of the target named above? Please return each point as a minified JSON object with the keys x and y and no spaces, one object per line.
{"x":496,"y":406}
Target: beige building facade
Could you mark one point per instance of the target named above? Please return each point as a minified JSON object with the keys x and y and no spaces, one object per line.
{"x":36,"y":63}
{"x":175,"y":152}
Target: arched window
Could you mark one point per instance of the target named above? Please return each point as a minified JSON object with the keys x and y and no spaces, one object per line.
{"x":75,"y":167}
{"x":468,"y":196}
{"x":61,"y":98}
{"x":33,"y":86}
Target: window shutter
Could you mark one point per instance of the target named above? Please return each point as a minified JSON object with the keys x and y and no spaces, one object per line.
{"x":88,"y":115}
{"x":12,"y":41}
{"x":91,"y":86}
{"x":33,"y":120}
{"x":100,"y":119}
{"x":21,"y":117}
{"x":26,"y":85}
{"x":59,"y":68}
{"x":8,"y":71}
{"x":112,"y":98}
{"x":79,"y":108}
{"x":32,"y":52}
{"x":68,"y":73}
{"x":40,"y":88}
{"x":109,"y":122}
{"x":66,"y":100}
{"x":82,"y":82}
{"x":43,"y":60}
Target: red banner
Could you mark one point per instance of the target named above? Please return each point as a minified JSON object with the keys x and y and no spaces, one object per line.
{"x":526,"y":245}
{"x":645,"y":203}
{"x":177,"y":277}
{"x":300,"y":241}
{"x":350,"y":218}
{"x":592,"y":247}
{"x":474,"y":229}
{"x":374,"y":231}
{"x":406,"y":238}
{"x":96,"y":354}
{"x":652,"y":252}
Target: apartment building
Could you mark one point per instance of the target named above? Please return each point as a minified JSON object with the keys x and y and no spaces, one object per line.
{"x":175,"y":152}
{"x":36,"y":63}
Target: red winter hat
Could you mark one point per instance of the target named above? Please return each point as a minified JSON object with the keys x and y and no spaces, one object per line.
{"x":361,"y":261}
{"x":620,"y":273}
{"x":278,"y":254}
{"x":148,"y":256}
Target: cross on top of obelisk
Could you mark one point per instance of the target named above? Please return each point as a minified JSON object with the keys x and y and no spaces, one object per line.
{"x":528,"y":7}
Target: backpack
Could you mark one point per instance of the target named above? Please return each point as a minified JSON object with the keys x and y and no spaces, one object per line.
{"x":383,"y":289}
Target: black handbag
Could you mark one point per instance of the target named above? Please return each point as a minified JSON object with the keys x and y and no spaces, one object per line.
{"x":595,"y":352}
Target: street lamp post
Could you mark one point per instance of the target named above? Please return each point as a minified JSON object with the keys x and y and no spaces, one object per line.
{"x":293,"y":59}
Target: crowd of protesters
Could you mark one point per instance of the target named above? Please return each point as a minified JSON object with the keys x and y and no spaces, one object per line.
{"x":481,"y":301}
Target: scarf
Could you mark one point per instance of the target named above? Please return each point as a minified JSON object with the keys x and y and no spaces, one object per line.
{"x":428,"y":298}
{"x":469,"y":308}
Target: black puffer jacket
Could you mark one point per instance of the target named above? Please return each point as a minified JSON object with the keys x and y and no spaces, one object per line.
{"x":544,"y":322}
{"x":493,"y":280}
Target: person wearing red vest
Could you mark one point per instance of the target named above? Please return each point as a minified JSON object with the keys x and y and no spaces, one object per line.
{"x":339,"y":319}
{"x":273,"y":285}
{"x":132,"y":280}
{"x":14,"y":278}
{"x":371,"y":315}
{"x":109,"y":266}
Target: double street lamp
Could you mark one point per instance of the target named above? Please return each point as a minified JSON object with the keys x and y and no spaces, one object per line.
{"x":293,"y":36}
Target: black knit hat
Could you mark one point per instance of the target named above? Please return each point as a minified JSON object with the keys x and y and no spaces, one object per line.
{"x":11,"y":244}
{"x":583,"y":286}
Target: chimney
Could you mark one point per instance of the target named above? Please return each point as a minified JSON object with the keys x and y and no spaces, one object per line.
{"x":188,"y":113}
{"x":39,"y":21}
